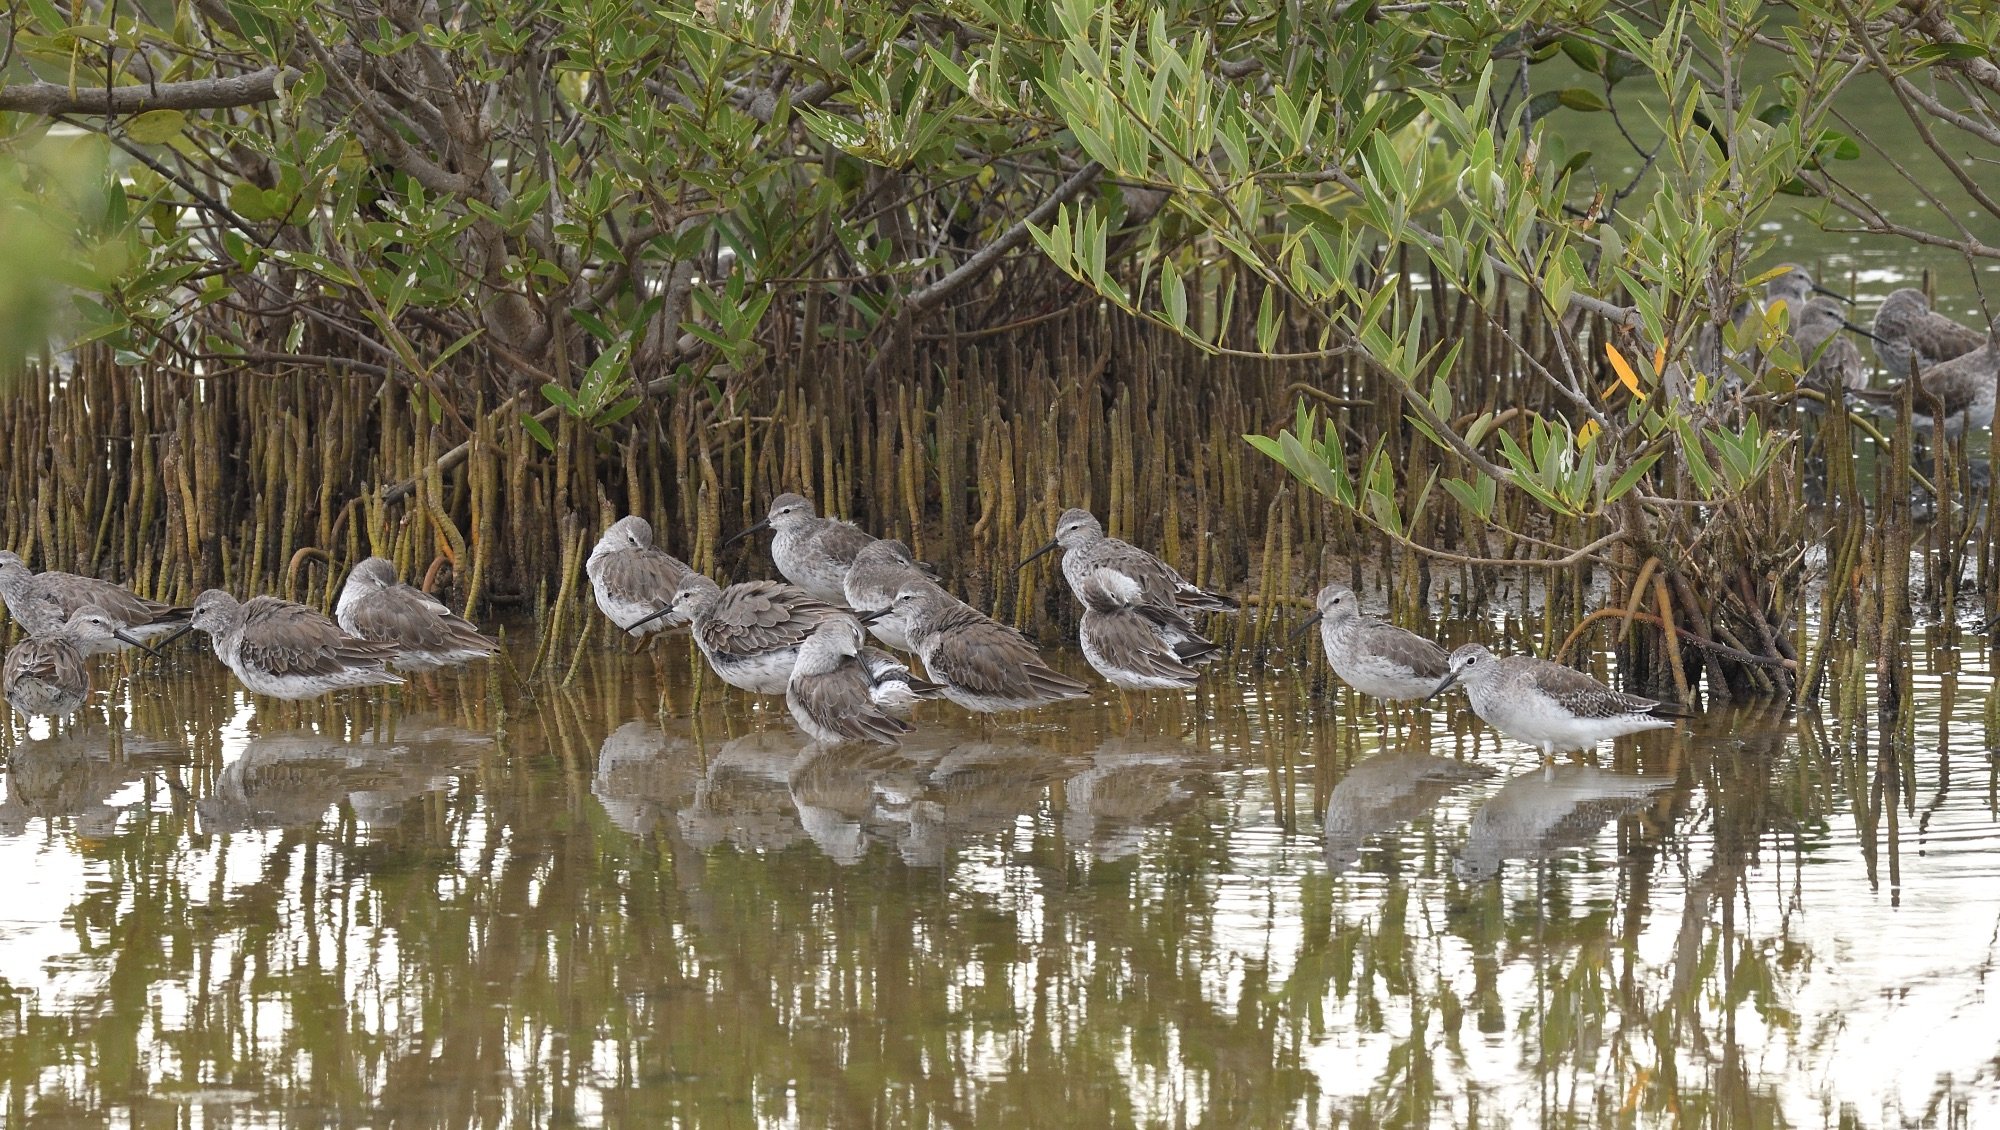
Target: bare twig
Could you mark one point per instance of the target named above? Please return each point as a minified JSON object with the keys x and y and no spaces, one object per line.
{"x":49,"y":98}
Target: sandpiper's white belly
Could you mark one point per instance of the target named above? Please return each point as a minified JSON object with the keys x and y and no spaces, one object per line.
{"x":259,"y":681}
{"x":804,"y":565}
{"x":891,"y":635}
{"x":408,"y":660}
{"x":623,"y":610}
{"x":766,"y":672}
{"x":1530,"y":716}
{"x":1367,"y":671}
{"x":811,"y":724}
{"x":1381,"y":678}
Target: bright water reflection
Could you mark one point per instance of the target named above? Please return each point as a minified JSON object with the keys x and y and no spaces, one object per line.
{"x":465,"y":904}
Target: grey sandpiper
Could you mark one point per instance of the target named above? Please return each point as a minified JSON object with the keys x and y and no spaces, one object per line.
{"x":631,"y":580}
{"x":1836,"y":364}
{"x":749,"y":632}
{"x":1139,"y":647}
{"x":286,"y":650}
{"x":48,"y":673}
{"x":1793,"y":285}
{"x":878,"y":573}
{"x":1088,"y":553}
{"x":832,"y":693}
{"x":141,"y":619}
{"x":812,"y":552}
{"x":1375,"y":658}
{"x":985,"y":665}
{"x":1908,"y":333}
{"x":1548,"y":705}
{"x":1963,"y":385}
{"x":427,"y":635}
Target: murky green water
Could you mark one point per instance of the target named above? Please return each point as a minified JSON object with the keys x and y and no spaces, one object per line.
{"x":464,"y":905}
{"x":1800,"y":229}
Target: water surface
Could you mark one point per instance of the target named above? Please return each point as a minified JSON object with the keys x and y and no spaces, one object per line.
{"x":468,"y":903}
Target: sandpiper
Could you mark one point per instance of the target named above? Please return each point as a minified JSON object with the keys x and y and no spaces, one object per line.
{"x":879,"y":572}
{"x":1087,"y":553}
{"x":1908,"y":332}
{"x":831,"y":691}
{"x":287,"y":650}
{"x":631,"y":580}
{"x":1794,"y":286}
{"x":749,"y":632}
{"x":1963,"y":385}
{"x":426,"y":634}
{"x":1836,"y":362}
{"x":1547,"y":704}
{"x":1139,"y":647}
{"x":1375,"y":658}
{"x":1546,"y":811}
{"x":985,"y":665}
{"x":47,"y":672}
{"x":812,"y":552}
{"x":141,"y":619}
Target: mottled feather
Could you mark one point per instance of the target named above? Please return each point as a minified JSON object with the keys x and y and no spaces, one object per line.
{"x":416,"y":622}
{"x":840,"y":705}
{"x":1126,"y":646}
{"x":290,"y":640}
{"x":973,"y":652}
{"x":760,"y":616}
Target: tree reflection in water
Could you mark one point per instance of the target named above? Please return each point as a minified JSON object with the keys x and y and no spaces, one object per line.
{"x":456,"y":906}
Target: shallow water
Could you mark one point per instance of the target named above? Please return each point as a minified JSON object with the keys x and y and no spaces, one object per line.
{"x":464,"y":903}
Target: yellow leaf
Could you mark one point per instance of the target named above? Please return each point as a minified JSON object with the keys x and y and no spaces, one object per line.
{"x":1623,"y":368}
{"x":1660,"y":359}
{"x":1587,"y":434}
{"x":1767,"y":276}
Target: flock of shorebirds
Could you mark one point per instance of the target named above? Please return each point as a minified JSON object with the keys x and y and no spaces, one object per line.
{"x":1954,"y":365}
{"x":805,"y":638}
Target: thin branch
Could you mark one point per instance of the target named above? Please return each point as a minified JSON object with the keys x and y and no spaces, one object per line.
{"x":50,"y":99}
{"x":921,"y":302}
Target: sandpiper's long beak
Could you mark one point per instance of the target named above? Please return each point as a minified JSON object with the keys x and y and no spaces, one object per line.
{"x":871,"y":617}
{"x":184,"y":630}
{"x":1302,"y":629}
{"x":740,"y":535}
{"x":1862,"y":330}
{"x":650,"y":617}
{"x":134,"y":641}
{"x":1045,"y":549}
{"x":1443,"y":686}
{"x":1818,"y":289}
